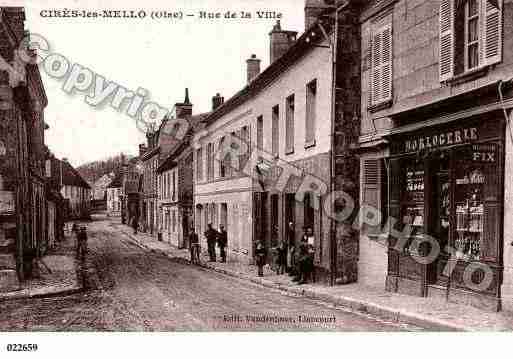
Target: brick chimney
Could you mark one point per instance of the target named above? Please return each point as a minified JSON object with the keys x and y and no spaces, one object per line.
{"x":281,"y":41}
{"x":142,"y":149}
{"x":253,"y":67}
{"x":313,"y":10}
{"x":184,"y":109}
{"x":217,"y":101}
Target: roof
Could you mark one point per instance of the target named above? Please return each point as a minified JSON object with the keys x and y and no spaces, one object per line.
{"x":170,"y":161}
{"x":275,"y":70}
{"x":65,"y":174}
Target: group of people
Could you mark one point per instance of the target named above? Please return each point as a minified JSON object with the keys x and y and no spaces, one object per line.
{"x":297,"y":261}
{"x":214,"y":237}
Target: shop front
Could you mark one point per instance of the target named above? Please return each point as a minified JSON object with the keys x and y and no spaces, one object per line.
{"x":446,"y":186}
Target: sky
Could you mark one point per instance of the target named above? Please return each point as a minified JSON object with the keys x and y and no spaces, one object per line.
{"x":163,"y":56}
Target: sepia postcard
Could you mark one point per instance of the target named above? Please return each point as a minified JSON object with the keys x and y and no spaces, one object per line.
{"x":254,"y":166}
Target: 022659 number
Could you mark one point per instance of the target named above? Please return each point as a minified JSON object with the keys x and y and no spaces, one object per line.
{"x":21,"y":347}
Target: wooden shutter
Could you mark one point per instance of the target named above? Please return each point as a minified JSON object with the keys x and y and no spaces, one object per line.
{"x":446,"y":62}
{"x":376,"y":68}
{"x":381,"y":86}
{"x":386,"y":63}
{"x":371,"y":182}
{"x":492,"y":32}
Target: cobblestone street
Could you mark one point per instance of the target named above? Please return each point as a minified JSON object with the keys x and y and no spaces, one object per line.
{"x":139,"y":290}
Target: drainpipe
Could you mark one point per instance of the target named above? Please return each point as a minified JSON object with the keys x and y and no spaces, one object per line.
{"x":501,"y":97}
{"x":333,"y":238}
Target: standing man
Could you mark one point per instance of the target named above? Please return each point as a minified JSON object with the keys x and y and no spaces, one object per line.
{"x":81,"y":243}
{"x":291,"y":249}
{"x":211,"y":236}
{"x":194,"y":246}
{"x":135,"y":224}
{"x":222,"y":242}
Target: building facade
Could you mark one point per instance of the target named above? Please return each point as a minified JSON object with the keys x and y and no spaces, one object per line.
{"x":76,"y":191}
{"x":115,"y":196}
{"x":23,"y":201}
{"x":435,"y":144}
{"x":132,"y":187}
{"x":161,"y":142}
{"x":287,"y":118}
{"x":175,"y":188}
{"x":99,"y":188}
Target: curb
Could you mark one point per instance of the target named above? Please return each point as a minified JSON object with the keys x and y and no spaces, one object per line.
{"x":57,"y":293}
{"x":362,"y":307}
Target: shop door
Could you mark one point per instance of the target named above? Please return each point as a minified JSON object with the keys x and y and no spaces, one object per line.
{"x":259,"y":217}
{"x":439,"y":212}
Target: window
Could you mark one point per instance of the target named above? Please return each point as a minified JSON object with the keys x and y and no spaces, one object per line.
{"x":260,"y":132}
{"x":246,"y":149}
{"x":174,"y":221}
{"x":210,"y":162}
{"x":174,"y":186}
{"x":224,"y":215}
{"x":234,"y":163}
{"x":276,"y":131}
{"x":381,"y":65}
{"x":470,"y":36}
{"x":199,"y":164}
{"x":222,"y":163}
{"x":311,"y":104}
{"x":289,"y":126}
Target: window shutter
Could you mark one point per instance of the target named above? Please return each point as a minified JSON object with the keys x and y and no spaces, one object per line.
{"x":386,"y":65}
{"x":446,"y":65}
{"x":492,"y":32}
{"x":376,"y":69}
{"x":371,"y":182}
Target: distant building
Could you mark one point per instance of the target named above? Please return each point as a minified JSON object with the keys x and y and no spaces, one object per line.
{"x":175,"y":190}
{"x":99,"y":188}
{"x":132,"y":188}
{"x":75,"y":190}
{"x":115,"y":196}
{"x":161,"y":142}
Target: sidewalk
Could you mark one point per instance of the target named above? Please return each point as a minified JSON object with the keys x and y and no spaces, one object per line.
{"x":63,"y":279}
{"x":429,"y":313}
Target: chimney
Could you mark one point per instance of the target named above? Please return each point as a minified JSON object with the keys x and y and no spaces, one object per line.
{"x":314,"y":9}
{"x":184,"y":109}
{"x":142,"y":149}
{"x":281,"y":41}
{"x":253,"y":67}
{"x":217,"y":101}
